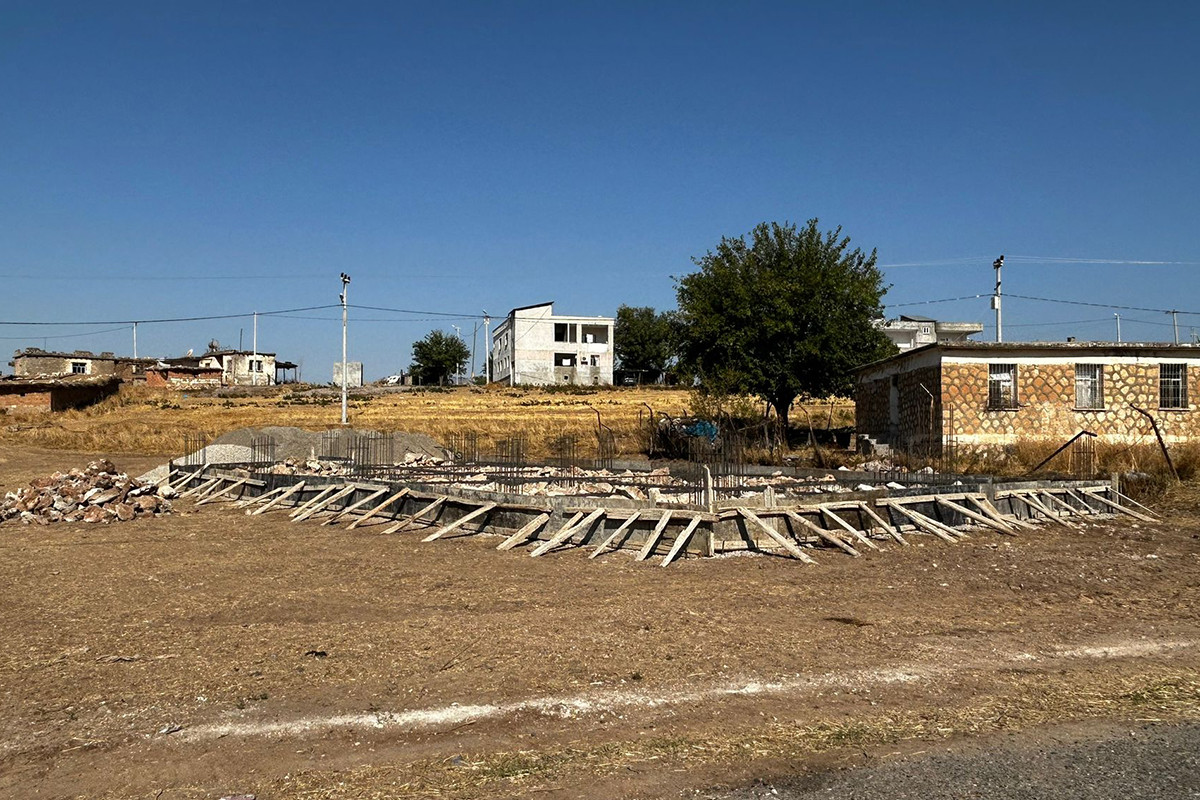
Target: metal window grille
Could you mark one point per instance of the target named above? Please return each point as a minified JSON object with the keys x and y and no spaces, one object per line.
{"x":1002,"y":386}
{"x":1172,"y":386}
{"x":1089,"y":386}
{"x":79,"y":367}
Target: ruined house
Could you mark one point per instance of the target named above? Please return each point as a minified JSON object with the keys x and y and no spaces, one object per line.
{"x":535,"y":346}
{"x":55,"y":393}
{"x":35,"y":362}
{"x":979,"y":394}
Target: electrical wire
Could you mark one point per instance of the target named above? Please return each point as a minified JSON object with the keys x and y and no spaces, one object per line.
{"x":177,"y":319}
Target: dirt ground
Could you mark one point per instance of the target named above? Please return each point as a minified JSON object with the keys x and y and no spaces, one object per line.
{"x":209,"y":653}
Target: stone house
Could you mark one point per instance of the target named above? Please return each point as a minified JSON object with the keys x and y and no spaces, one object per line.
{"x":175,"y":376}
{"x":535,"y":346}
{"x":979,"y":394}
{"x":57,"y":393}
{"x":35,"y":362}
{"x":237,"y":367}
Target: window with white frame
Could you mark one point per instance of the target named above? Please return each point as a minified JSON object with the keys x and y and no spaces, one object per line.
{"x":1172,"y":386}
{"x":78,"y":367}
{"x":1089,"y":386}
{"x":1002,"y":386}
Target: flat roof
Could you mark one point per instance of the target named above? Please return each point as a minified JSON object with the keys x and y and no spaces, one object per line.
{"x":1074,"y":348}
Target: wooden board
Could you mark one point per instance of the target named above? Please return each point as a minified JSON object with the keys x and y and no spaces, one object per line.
{"x":528,"y":530}
{"x":227,"y":490}
{"x":612,"y":537}
{"x":924,"y":522}
{"x":1094,"y":493}
{"x":355,"y":506}
{"x":434,"y":506}
{"x":982,"y":519}
{"x":321,"y":495}
{"x":567,"y":531}
{"x":458,"y":523}
{"x":882,"y":523}
{"x":850,"y":529}
{"x":823,"y":534}
{"x":299,"y":487}
{"x":378,"y":508}
{"x":345,"y":491}
{"x":655,"y":535}
{"x":787,"y":544}
{"x":681,"y":540}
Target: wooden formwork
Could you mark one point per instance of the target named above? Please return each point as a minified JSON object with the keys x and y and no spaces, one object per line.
{"x":848,"y":526}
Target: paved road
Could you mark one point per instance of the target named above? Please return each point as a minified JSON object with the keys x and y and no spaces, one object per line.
{"x":1128,"y":762}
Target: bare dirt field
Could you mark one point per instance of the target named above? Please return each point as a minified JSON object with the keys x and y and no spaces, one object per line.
{"x":209,"y":653}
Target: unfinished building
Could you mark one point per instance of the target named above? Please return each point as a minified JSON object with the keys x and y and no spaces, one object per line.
{"x":533,"y":346}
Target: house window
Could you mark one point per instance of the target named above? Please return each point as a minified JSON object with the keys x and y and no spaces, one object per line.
{"x":1172,"y":386}
{"x":79,"y":368}
{"x":1089,"y":386}
{"x":595,"y":361}
{"x":1002,"y":386}
{"x":595,"y":334}
{"x":564,"y":332}
{"x":564,"y":359}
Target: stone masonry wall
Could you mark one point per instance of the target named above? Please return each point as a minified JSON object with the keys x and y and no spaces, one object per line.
{"x":871,"y":408}
{"x":920,"y":414}
{"x":1046,"y":405}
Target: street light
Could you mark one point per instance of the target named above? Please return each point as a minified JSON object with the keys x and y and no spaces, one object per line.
{"x":342,"y":298}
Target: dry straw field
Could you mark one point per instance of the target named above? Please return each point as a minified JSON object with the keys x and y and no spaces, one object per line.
{"x":144,"y":420}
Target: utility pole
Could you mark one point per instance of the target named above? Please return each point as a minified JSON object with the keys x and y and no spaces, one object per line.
{"x":135,"y":340}
{"x":254,"y":357}
{"x":342,"y":298}
{"x":474,"y":342}
{"x":487,"y":347}
{"x":997,"y":264}
{"x":1118,"y":316}
{"x":1175,"y":324}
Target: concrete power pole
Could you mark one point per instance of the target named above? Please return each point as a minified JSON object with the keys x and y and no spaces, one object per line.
{"x":997,"y":264}
{"x":1118,"y":316}
{"x":342,"y":297}
{"x":487,"y":347}
{"x":1175,"y":324}
{"x":254,"y":357}
{"x":135,"y":340}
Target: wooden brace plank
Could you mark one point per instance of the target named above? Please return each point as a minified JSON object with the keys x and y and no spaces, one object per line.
{"x":924,"y":522}
{"x":982,"y":519}
{"x":850,"y":529}
{"x":1038,"y":506}
{"x":1053,"y":500}
{"x":262,"y":498}
{"x":378,"y":508}
{"x":1012,"y":521}
{"x":328,"y":501}
{"x":264,"y":509}
{"x":567,"y":531}
{"x":777,"y":537}
{"x":655,"y":535}
{"x":624,"y":526}
{"x":227,"y":490}
{"x":823,"y":534}
{"x":528,"y":530}
{"x":1112,"y":504}
{"x":355,"y":506}
{"x":680,"y":541}
{"x":865,"y":507}
{"x":204,"y":486}
{"x":399,"y":526}
{"x":458,"y":523}
{"x":321,"y":495}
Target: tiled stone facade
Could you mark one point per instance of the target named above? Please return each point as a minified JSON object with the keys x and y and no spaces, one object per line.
{"x":1046,"y":404}
{"x":893,"y":406}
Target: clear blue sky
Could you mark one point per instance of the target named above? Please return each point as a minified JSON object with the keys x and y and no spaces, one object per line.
{"x":189,"y":159}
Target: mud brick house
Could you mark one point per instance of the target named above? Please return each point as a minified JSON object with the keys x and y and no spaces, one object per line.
{"x":978,"y":394}
{"x":61,"y":393}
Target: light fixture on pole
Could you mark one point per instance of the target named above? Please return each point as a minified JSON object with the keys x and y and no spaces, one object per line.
{"x":342,"y":298}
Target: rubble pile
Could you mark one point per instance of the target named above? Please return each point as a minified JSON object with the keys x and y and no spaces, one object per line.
{"x":98,"y":493}
{"x":311,"y":466}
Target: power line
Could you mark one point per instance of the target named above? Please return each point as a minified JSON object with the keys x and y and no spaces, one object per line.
{"x":66,"y":335}
{"x":1101,"y":305}
{"x":246,"y":315}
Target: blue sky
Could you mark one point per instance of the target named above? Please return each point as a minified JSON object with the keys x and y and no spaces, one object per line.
{"x":162,"y":160}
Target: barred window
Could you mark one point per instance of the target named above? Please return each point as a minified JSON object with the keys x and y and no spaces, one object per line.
{"x":79,"y":367}
{"x":1172,"y":386}
{"x":1089,"y":386}
{"x":1002,"y":386}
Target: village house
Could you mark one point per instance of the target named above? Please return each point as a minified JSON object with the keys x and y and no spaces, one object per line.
{"x":176,"y":376}
{"x":55,"y":393}
{"x":534,"y":346}
{"x":907,"y":332}
{"x":238,"y":367}
{"x":35,"y":362}
{"x":979,"y":394}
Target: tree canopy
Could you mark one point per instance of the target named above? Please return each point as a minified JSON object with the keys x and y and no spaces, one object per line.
{"x":644,"y":341}
{"x":438,"y":356}
{"x":783,"y":313}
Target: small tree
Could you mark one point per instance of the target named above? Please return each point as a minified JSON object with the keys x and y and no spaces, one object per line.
{"x":788,"y":313}
{"x":438,"y":356}
{"x":644,"y":341}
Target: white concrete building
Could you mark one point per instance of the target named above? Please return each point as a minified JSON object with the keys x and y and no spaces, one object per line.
{"x":909,"y":332}
{"x":535,"y":346}
{"x":240,"y":367}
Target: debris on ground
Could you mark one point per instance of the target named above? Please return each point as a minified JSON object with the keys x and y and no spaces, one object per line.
{"x":97,"y":493}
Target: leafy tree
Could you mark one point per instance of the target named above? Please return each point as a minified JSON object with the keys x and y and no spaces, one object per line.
{"x":644,"y":341}
{"x":438,"y":356}
{"x":788,"y":313}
